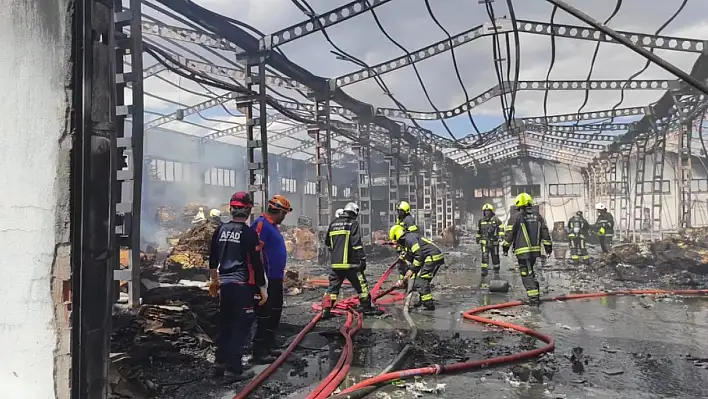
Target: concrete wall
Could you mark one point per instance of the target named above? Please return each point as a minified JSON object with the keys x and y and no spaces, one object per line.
{"x":34,"y":212}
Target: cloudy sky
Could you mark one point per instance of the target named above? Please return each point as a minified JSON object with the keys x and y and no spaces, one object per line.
{"x":409,"y":23}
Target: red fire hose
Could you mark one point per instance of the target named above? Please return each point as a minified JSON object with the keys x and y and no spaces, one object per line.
{"x":479,"y":364}
{"x":342,"y":307}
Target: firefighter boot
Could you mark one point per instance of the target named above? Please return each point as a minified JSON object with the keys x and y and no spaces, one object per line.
{"x":327,"y":304}
{"x":367,"y":308}
{"x":483,"y":281}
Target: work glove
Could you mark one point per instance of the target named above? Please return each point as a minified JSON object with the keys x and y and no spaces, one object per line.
{"x":264,"y":296}
{"x":400,"y":283}
{"x":409,"y":274}
{"x":549,"y":249}
{"x":214,"y":288}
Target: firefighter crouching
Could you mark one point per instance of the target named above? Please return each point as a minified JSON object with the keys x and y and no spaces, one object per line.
{"x":489,"y":232}
{"x":406,"y":220}
{"x":528,"y":233}
{"x":237,"y":277}
{"x":425,"y":259}
{"x":578,"y":228}
{"x":604,"y":227}
{"x":343,"y":239}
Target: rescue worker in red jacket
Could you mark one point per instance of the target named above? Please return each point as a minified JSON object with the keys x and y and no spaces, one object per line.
{"x":237,"y":276}
{"x":275,"y":256}
{"x":528,"y":234}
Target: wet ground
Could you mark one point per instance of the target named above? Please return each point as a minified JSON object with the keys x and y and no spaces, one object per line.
{"x":630,"y":347}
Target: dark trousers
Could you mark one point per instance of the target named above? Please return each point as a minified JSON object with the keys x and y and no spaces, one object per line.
{"x":605,"y":242}
{"x":578,"y":249}
{"x":355,"y":277}
{"x":424,"y":278}
{"x":490,"y":249}
{"x":268,"y":319}
{"x":528,"y":276}
{"x":236,"y":316}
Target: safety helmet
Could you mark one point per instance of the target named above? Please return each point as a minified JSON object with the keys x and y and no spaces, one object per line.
{"x":339,"y":213}
{"x":404,"y":206}
{"x":279,"y":203}
{"x":396,"y":232}
{"x":214,"y":213}
{"x":352,"y":209}
{"x":241,"y":204}
{"x":579,"y":213}
{"x":523,"y":200}
{"x":488,"y":207}
{"x":600,"y":206}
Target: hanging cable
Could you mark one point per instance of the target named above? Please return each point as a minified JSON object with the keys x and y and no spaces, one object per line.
{"x":517,"y":58}
{"x":496,"y":51}
{"x":379,"y":81}
{"x":454,"y":62}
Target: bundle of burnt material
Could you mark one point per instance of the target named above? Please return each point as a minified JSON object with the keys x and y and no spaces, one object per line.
{"x":166,"y":216}
{"x":449,"y":237}
{"x":686,"y":252}
{"x":174,"y":333}
{"x":304,"y":244}
{"x":191,"y":247}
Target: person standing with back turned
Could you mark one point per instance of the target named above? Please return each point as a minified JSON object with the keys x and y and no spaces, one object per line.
{"x":275,"y":256}
{"x":343,"y":239}
{"x":528,"y":233}
{"x":237,"y":275}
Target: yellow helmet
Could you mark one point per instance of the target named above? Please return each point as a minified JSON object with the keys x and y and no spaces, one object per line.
{"x":404,"y":206}
{"x":523,"y":200}
{"x":488,"y":207}
{"x":396,"y":232}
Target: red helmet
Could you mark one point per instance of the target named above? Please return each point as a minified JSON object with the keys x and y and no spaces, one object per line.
{"x":241,"y":199}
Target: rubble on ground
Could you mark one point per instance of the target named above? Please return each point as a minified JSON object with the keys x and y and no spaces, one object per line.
{"x":301,"y":243}
{"x":166,"y":216}
{"x":191,"y":248}
{"x":449,"y":237}
{"x":678,"y":259}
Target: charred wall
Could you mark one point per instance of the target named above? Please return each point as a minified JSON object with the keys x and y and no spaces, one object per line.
{"x":35,"y":144}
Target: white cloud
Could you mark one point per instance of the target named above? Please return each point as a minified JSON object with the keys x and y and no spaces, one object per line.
{"x":407,"y":21}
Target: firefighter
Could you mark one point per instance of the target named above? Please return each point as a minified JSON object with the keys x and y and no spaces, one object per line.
{"x":425,"y":259}
{"x":275,"y":256}
{"x":237,"y":277}
{"x":406,"y":220}
{"x":528,"y":233}
{"x":490,"y":231}
{"x":215,"y":216}
{"x":343,"y":239}
{"x":604,"y":227}
{"x":577,"y":234}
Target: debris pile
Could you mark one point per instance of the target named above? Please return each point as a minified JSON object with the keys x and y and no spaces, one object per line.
{"x":190,"y":211}
{"x":191,"y":249}
{"x":380,"y":237}
{"x":303,"y":244}
{"x":680,"y":259}
{"x":166,"y":216}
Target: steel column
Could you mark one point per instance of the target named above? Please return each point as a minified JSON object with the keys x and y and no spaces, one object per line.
{"x":614,"y":188}
{"x":363,"y":149}
{"x":624,"y":214}
{"x":322,"y":136}
{"x":428,"y":195}
{"x":685,"y":176}
{"x":657,"y":192}
{"x":640,"y":224}
{"x":129,"y":177}
{"x":393,"y":175}
{"x":257,"y":170}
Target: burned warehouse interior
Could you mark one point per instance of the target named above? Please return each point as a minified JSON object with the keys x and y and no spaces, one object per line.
{"x":347,"y":199}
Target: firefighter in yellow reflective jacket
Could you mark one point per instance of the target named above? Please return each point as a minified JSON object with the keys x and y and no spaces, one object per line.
{"x":406,"y":220}
{"x":425,"y":259}
{"x":528,"y":234}
{"x":343,"y":239}
{"x":578,"y":228}
{"x":489,"y":232}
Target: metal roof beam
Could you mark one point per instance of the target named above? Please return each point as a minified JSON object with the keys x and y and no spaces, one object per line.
{"x":533,"y":85}
{"x":595,"y":35}
{"x":565,"y":142}
{"x":322,"y":21}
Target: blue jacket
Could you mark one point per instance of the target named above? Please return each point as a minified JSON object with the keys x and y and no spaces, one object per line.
{"x":274,"y":253}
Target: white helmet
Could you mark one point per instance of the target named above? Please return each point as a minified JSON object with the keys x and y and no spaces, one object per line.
{"x":339,"y":213}
{"x":352,"y":209}
{"x":600,"y":206}
{"x":215,"y":213}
